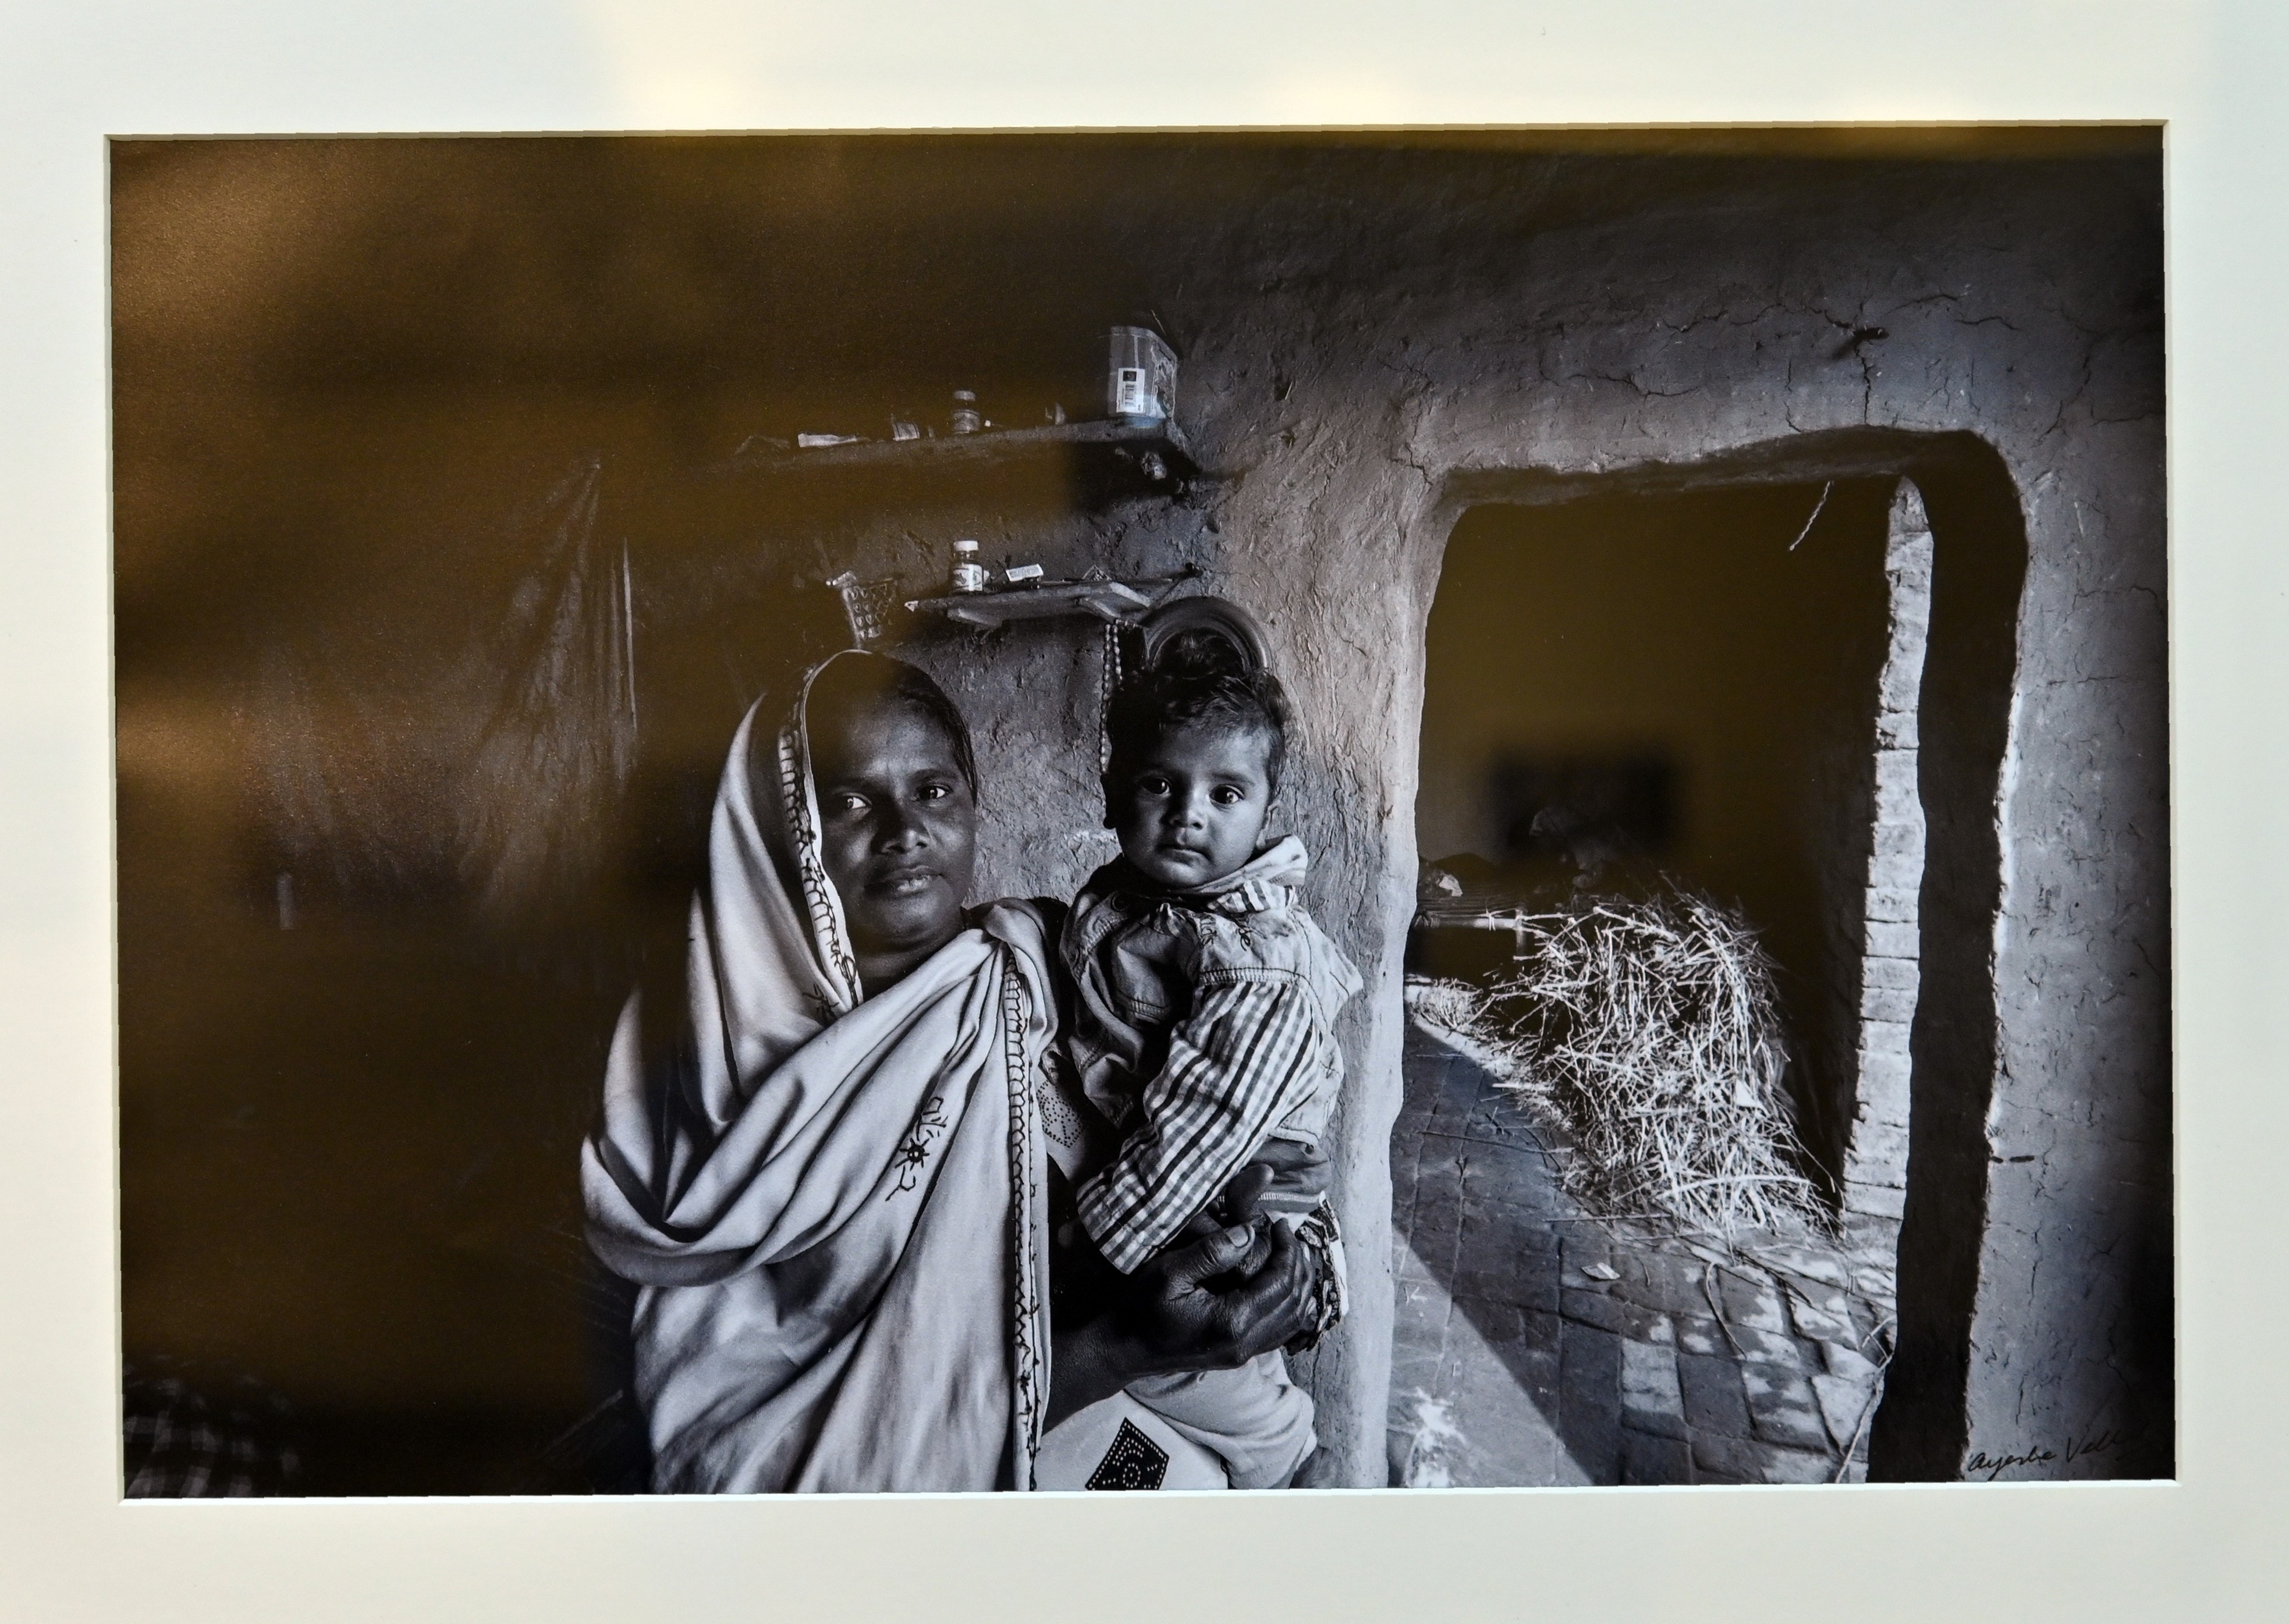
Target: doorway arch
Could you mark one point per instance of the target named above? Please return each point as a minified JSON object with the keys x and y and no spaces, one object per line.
{"x":1963,"y":711}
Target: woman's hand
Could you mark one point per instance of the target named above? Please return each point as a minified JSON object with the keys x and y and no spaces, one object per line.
{"x":1212,"y":1305}
{"x":1217,"y":1303}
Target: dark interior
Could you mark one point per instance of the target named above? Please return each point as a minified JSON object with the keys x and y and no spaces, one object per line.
{"x":1685,"y":685}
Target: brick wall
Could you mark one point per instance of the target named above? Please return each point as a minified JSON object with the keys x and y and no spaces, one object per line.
{"x":1876,"y":1158}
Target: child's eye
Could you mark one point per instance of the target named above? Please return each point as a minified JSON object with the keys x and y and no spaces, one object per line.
{"x":1153,"y":783}
{"x":1227,"y":795}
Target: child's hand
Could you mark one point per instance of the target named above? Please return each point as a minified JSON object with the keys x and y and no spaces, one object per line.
{"x":1282,"y":1177}
{"x":1235,"y":1204}
{"x":1244,"y":1191}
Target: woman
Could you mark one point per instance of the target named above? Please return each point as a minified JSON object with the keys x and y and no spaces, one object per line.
{"x":829,"y":1186}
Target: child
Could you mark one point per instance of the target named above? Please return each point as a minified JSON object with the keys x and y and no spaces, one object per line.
{"x":1205,"y":997}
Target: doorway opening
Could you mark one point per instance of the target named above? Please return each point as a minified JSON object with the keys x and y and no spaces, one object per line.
{"x":1715,"y":685}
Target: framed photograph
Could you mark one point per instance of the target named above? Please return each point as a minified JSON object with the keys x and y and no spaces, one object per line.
{"x":1427,"y":811}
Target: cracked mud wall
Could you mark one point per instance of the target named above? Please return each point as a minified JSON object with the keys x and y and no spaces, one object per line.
{"x":1358,"y":374}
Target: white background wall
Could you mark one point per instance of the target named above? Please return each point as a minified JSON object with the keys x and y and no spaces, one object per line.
{"x":75,"y":74}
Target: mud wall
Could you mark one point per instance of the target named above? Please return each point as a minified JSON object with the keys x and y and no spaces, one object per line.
{"x":1360,"y":375}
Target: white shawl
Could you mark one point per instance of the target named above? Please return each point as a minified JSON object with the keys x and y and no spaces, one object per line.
{"x":832,"y":1206}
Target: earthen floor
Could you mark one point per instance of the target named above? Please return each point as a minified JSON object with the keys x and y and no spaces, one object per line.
{"x":1537,"y":1346}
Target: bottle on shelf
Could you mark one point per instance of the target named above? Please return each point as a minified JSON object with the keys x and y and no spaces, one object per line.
{"x":968,"y":574}
{"x":1141,"y":378}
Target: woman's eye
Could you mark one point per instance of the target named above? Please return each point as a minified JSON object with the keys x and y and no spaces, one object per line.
{"x":935,"y":791}
{"x":847,"y":802}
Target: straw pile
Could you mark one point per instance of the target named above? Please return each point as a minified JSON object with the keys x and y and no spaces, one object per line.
{"x":1647,"y":1031}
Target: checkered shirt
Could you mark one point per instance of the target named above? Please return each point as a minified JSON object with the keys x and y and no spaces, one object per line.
{"x":1201,"y":1029}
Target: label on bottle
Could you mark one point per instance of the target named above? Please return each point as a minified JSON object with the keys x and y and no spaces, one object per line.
{"x":1132,"y":395}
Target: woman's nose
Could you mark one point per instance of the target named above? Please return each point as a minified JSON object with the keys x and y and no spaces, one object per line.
{"x":902,"y":830}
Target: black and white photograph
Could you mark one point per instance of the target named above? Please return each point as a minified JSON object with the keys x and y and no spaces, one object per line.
{"x":1275,"y":809}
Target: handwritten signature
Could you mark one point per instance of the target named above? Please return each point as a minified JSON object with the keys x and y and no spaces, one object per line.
{"x":1994,"y":1465}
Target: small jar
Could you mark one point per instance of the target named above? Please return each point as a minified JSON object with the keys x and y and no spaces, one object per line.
{"x":966,"y":418}
{"x":968,"y":574}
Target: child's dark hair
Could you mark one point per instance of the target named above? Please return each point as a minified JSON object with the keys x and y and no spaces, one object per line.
{"x":1198,"y":680}
{"x":855,"y":681}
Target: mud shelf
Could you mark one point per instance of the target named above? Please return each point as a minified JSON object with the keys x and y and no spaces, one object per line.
{"x":1103,"y":447}
{"x":1116,"y":602}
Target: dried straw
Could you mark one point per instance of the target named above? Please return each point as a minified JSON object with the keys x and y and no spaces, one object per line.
{"x":1648,"y":1033}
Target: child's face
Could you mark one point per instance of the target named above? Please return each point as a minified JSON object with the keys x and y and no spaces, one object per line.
{"x":1191,"y":807}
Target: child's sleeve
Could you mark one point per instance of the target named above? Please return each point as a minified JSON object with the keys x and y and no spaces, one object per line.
{"x":1244,"y":1059}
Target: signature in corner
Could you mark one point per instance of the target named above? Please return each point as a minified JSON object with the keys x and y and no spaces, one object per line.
{"x":1995,"y":1466}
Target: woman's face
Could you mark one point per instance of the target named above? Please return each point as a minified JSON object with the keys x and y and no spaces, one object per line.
{"x":897,"y":831}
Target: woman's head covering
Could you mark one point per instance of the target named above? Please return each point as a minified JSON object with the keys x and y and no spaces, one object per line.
{"x":832,"y":1202}
{"x":768,"y":899}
